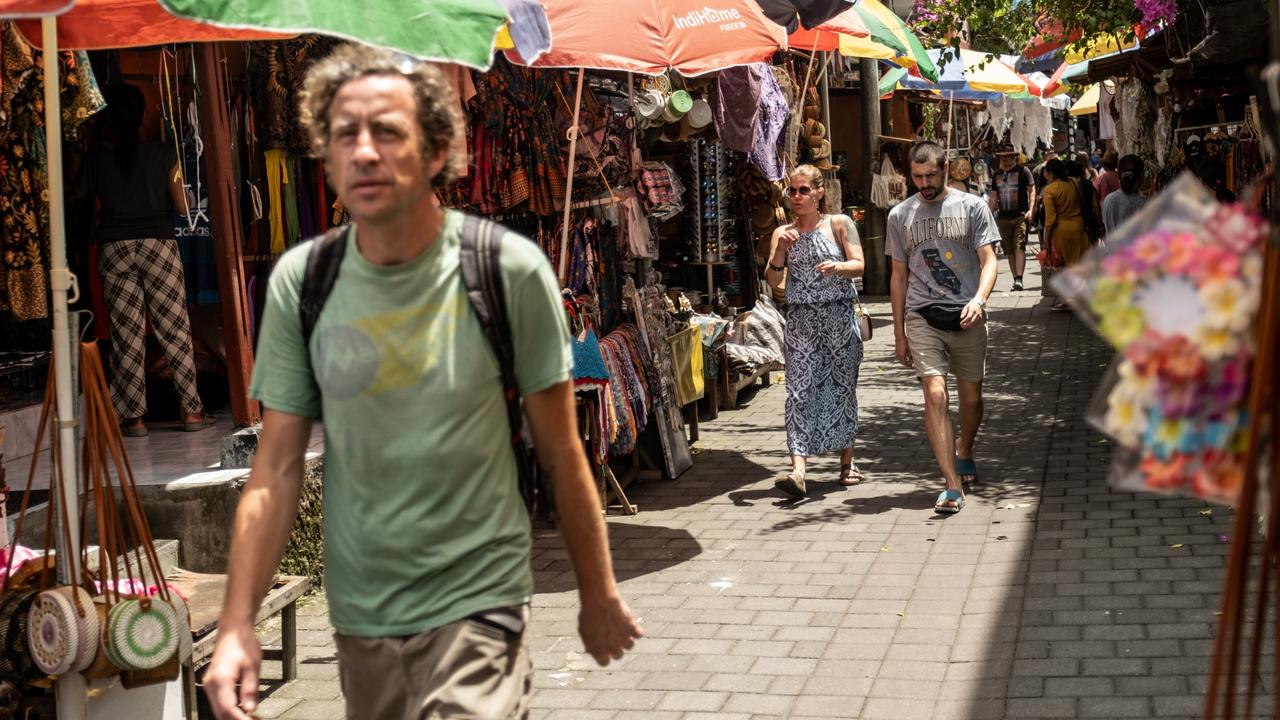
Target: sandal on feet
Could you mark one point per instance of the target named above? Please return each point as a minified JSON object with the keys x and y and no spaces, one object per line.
{"x":792,"y":484}
{"x":190,"y":424}
{"x":967,"y":468}
{"x":849,"y":475}
{"x":954,"y":497}
{"x":134,"y":429}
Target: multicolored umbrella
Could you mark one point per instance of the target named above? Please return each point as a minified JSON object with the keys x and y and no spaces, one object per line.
{"x":1088,"y":102}
{"x":828,"y":36}
{"x":970,"y":71}
{"x":888,"y":29}
{"x":458,"y":31}
{"x":652,"y":37}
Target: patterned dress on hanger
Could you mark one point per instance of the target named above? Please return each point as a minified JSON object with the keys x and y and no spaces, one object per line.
{"x":823,"y":347}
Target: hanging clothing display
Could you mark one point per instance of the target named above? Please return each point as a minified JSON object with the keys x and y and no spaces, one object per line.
{"x":629,"y":378}
{"x":1106,"y":123}
{"x":277,"y":69}
{"x":277,"y":174}
{"x":24,"y":209}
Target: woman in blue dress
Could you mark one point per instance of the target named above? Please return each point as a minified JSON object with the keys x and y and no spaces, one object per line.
{"x":819,"y":255}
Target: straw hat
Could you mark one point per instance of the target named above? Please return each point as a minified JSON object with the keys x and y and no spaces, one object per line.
{"x":700,"y":114}
{"x":762,"y":216}
{"x":823,"y":151}
{"x":1005,"y":149}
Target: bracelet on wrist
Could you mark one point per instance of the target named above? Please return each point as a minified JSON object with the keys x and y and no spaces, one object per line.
{"x":777,"y":268}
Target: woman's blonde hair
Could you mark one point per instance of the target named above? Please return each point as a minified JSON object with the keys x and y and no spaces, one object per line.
{"x":816,"y":181}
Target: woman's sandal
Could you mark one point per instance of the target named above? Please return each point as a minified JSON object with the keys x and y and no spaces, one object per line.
{"x":792,"y":484}
{"x":850,"y":475}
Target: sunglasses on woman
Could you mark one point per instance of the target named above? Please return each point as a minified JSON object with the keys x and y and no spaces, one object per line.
{"x":802,"y":190}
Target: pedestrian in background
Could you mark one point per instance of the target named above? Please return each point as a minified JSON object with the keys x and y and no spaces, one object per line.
{"x":819,"y":255}
{"x":1012,"y":197}
{"x":427,"y":539}
{"x":1108,"y":181}
{"x":1127,"y":201}
{"x":944,"y":269}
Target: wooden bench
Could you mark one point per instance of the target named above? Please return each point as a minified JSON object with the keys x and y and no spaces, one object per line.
{"x":206,"y":595}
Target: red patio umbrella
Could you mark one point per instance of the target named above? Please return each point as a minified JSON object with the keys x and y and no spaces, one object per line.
{"x":654,"y":36}
{"x":102,"y":24}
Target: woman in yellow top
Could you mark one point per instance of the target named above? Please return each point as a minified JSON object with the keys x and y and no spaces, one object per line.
{"x":1064,"y":226}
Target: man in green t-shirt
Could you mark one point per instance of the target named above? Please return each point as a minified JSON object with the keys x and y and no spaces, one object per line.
{"x":426,"y":536}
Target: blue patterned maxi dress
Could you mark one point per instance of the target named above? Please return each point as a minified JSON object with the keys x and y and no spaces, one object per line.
{"x":823,"y":349}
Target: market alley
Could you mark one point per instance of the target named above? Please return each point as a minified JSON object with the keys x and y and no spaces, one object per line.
{"x":1050,"y":595}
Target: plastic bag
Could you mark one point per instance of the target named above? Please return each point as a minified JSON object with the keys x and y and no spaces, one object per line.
{"x":888,"y":187}
{"x":1176,"y":291}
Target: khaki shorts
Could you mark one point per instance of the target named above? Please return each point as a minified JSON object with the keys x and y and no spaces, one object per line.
{"x":935,"y":352}
{"x":1013,"y":233}
{"x":466,"y":670}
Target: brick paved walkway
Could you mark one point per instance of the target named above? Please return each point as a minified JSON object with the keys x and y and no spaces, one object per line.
{"x":1050,"y":595}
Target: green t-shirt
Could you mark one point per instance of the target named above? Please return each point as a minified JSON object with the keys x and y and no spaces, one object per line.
{"x":424,"y":524}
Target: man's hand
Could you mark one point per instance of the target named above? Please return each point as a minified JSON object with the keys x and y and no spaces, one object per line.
{"x":971,"y":314}
{"x":1028,"y":215}
{"x":236,"y":659}
{"x":903,"y":350}
{"x":607,"y":629}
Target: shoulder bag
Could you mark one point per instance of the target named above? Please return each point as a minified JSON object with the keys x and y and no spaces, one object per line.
{"x":864,"y":318}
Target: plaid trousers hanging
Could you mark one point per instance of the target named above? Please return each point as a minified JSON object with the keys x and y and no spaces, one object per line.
{"x":144,"y":277}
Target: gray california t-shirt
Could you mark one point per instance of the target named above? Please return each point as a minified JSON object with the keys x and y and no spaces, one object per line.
{"x":939,"y":243}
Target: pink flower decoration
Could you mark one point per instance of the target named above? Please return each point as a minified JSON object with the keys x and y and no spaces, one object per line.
{"x":1184,"y":250}
{"x":1237,"y":228}
{"x":1151,"y":250}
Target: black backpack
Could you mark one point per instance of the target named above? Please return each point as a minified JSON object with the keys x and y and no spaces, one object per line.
{"x":482,"y":278}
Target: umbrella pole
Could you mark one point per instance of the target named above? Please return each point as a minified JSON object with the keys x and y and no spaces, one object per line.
{"x":71,"y":691}
{"x":568,"y":193}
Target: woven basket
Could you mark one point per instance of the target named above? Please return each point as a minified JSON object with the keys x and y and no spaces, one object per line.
{"x":141,"y":633}
{"x":63,"y":630}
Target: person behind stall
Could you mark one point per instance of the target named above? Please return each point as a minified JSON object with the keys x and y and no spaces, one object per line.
{"x":1108,"y":181}
{"x":944,"y":269}
{"x":138,"y":187}
{"x":819,"y":255}
{"x":1127,"y":201}
{"x":1012,"y":197}
{"x":1090,"y":208}
{"x":426,"y":537}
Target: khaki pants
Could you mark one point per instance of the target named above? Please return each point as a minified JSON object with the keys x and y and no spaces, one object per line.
{"x":935,"y":352}
{"x":466,"y":670}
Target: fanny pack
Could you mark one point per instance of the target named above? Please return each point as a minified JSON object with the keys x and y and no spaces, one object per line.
{"x":942,"y":317}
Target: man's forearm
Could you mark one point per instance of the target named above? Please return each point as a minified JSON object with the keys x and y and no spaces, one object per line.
{"x":582,"y":527}
{"x":898,"y":299}
{"x":264,"y":519}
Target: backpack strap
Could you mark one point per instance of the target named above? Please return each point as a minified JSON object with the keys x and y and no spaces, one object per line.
{"x":323,"y":261}
{"x":481,"y":251}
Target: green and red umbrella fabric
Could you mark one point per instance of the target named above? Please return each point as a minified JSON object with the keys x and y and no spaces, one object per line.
{"x":459,"y":31}
{"x":888,"y":29}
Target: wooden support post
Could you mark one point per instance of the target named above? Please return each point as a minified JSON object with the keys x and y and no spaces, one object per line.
{"x":224,"y":211}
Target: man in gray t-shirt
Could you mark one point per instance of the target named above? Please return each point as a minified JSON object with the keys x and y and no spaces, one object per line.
{"x":944,"y":269}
